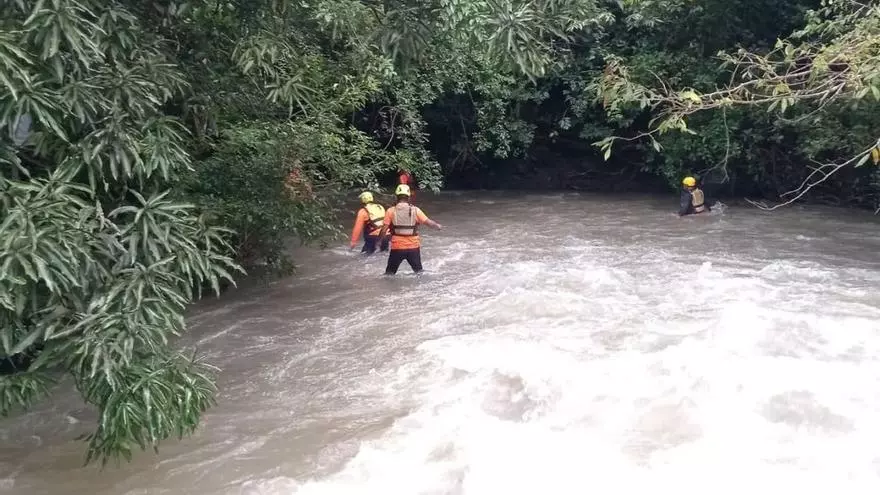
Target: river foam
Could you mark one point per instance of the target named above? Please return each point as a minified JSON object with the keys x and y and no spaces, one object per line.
{"x":617,"y":349}
{"x":589,"y":371}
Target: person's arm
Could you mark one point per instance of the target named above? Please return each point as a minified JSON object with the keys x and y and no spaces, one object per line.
{"x":386,"y":223}
{"x":358,"y":228}
{"x":684,"y":203}
{"x":422,"y":218}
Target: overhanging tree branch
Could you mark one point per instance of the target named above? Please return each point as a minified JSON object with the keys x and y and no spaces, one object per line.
{"x":835,"y":58}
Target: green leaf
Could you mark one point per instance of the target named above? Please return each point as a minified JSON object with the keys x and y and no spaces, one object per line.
{"x":26,"y":342}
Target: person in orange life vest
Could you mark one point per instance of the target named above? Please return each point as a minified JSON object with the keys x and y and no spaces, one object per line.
{"x":404,"y":177}
{"x":369,"y":221}
{"x":403,"y":220}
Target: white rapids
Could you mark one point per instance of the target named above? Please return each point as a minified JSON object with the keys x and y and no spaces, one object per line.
{"x":556,"y":344}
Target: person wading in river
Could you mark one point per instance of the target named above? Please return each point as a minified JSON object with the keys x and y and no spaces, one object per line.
{"x":406,"y":178}
{"x":369,"y":221}
{"x":403,"y":220}
{"x":692,"y":200}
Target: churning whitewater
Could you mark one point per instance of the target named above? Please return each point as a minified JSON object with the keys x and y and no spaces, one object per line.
{"x":557,"y":345}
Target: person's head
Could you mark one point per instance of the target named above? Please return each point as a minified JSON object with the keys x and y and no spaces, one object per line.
{"x":402,"y":192}
{"x":689,"y":182}
{"x":366,"y":197}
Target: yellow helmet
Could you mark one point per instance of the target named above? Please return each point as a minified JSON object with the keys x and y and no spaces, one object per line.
{"x":689,"y":181}
{"x":366,"y":197}
{"x":402,"y":190}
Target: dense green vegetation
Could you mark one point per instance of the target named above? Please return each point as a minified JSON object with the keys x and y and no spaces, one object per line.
{"x":151,"y":148}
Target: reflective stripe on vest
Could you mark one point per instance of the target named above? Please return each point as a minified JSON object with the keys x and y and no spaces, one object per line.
{"x":404,"y":222}
{"x":697,"y":201}
{"x":376,"y":215}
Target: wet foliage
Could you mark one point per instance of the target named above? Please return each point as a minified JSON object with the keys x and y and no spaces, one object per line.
{"x":100,"y":254}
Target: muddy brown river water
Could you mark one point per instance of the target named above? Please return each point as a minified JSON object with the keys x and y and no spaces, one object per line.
{"x":557,"y":344}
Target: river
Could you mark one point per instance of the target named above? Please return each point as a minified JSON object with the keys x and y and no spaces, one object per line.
{"x":558,"y":344}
